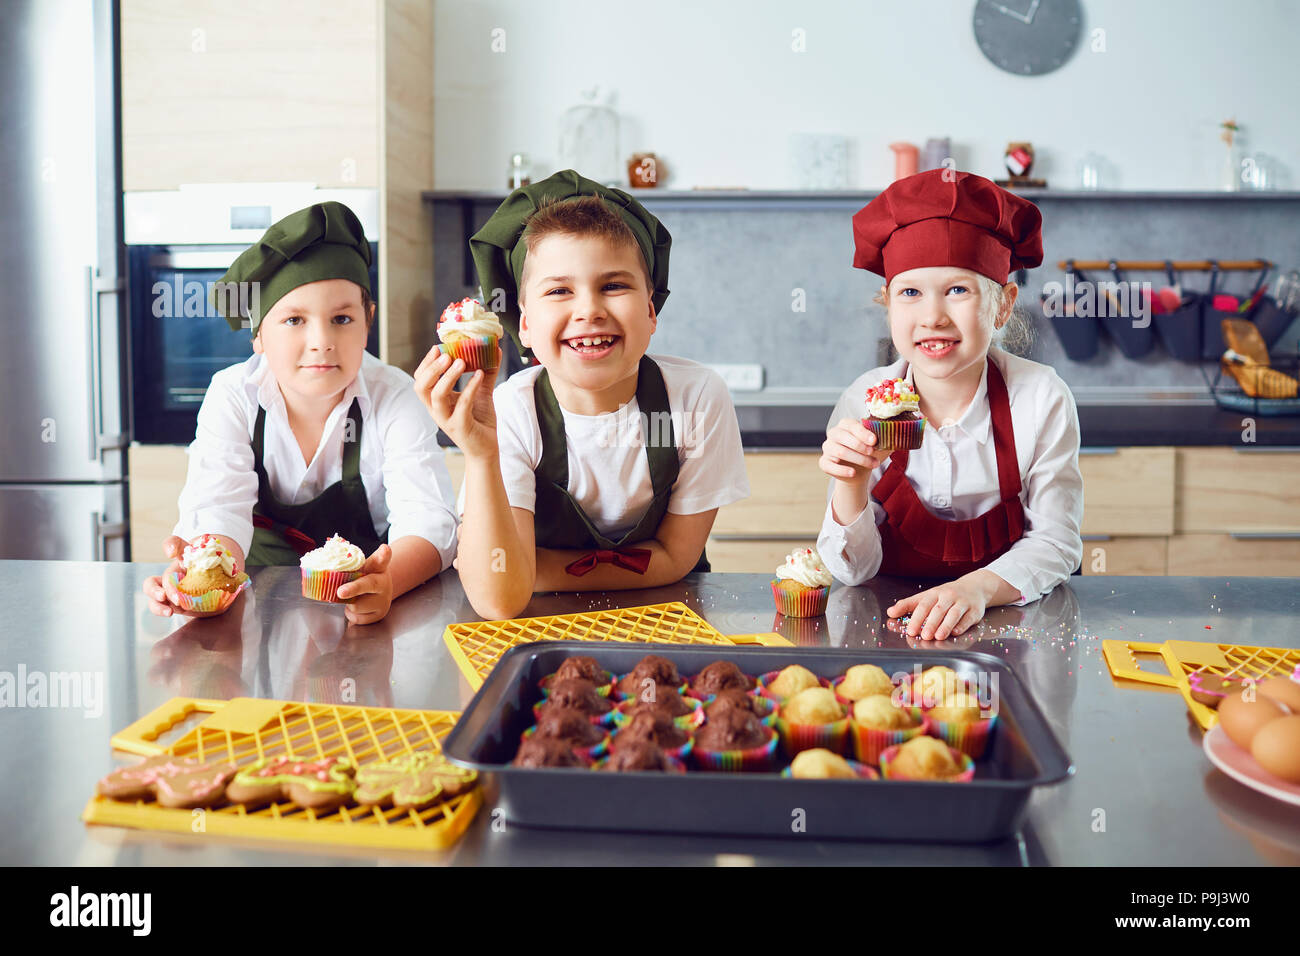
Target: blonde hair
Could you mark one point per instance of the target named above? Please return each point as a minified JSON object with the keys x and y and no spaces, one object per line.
{"x":1017,"y":333}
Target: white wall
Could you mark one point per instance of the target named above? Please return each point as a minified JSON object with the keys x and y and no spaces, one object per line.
{"x":714,"y":88}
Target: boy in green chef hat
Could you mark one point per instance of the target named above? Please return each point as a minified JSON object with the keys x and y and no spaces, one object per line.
{"x":601,"y":467}
{"x":312,"y":436}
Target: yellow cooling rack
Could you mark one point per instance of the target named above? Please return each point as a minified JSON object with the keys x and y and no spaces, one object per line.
{"x":1183,"y":658}
{"x":476,"y":647}
{"x":244,"y":729}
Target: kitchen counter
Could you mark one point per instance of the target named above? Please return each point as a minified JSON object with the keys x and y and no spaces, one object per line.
{"x":1143,"y":792}
{"x":1100,"y":426}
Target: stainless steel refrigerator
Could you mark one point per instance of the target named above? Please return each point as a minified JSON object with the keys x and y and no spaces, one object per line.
{"x":63,"y":416}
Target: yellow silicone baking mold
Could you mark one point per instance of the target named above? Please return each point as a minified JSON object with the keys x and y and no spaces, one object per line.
{"x":245,"y":728}
{"x":1184,"y":658}
{"x":476,"y":647}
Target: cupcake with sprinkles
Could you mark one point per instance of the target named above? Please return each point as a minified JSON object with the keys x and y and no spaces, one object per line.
{"x":803,"y":585}
{"x":209,"y":579}
{"x":894,"y":416}
{"x":469,"y":332}
{"x":329,"y":567}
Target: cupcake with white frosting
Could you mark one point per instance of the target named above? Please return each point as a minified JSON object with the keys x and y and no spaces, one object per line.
{"x":802,"y":585}
{"x":469,"y":332}
{"x":894,"y":415}
{"x":329,"y":567}
{"x":209,"y":578}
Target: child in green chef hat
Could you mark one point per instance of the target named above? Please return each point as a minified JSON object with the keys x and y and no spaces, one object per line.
{"x":312,"y":436}
{"x":600,"y":467}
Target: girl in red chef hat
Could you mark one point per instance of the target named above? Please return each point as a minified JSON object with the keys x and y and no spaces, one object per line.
{"x":990,"y":501}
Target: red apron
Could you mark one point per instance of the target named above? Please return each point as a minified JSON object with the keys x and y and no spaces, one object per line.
{"x":918,"y":544}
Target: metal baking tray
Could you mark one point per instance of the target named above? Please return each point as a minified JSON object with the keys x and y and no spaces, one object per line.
{"x":1023,"y":754}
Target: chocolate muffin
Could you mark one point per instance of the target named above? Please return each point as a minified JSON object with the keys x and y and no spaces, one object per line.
{"x":538,"y":751}
{"x":577,"y":694}
{"x":720,"y":676}
{"x":581,"y":668}
{"x":731,"y":699}
{"x":641,"y":755}
{"x":733,"y":729}
{"x":670,"y":703}
{"x":657,"y":728}
{"x":572,"y":726}
{"x":654,"y":668}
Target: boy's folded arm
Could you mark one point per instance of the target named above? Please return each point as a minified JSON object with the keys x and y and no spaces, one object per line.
{"x":674,"y":552}
{"x":415,"y":560}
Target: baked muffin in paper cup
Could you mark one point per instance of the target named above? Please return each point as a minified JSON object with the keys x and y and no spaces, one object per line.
{"x":675,"y":766}
{"x":606,"y":720}
{"x":764,"y":688}
{"x":760,"y":759}
{"x":622,"y":713}
{"x":329,"y":567}
{"x":837,"y":685}
{"x":617,"y":694}
{"x":476,"y":351}
{"x":603,"y":688}
{"x":861,"y":769}
{"x":796,"y":737}
{"x":868,"y":743}
{"x":680,"y":753}
{"x":469,"y":332}
{"x":706,"y":684}
{"x":965,"y":776}
{"x":971,"y":737}
{"x":215,"y":600}
{"x":588,"y":754}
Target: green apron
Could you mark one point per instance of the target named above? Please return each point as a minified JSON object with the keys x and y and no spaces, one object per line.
{"x":558,"y":520}
{"x":284,"y":533}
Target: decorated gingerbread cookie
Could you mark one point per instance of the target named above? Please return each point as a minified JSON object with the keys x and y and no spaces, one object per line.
{"x":174,"y":781}
{"x":412,"y":781}
{"x":321,"y":785}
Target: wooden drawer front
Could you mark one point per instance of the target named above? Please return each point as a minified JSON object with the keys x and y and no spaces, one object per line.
{"x":1128,"y":491}
{"x":761,"y":556}
{"x":787,"y":497}
{"x":157,"y":475}
{"x":1222,"y":555}
{"x":1230,"y":489}
{"x":1145,"y":556}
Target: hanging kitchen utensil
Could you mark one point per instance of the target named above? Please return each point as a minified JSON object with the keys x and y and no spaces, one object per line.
{"x":1226,"y":307}
{"x":1120,"y":316}
{"x":1179,"y":328}
{"x":1078,"y":333}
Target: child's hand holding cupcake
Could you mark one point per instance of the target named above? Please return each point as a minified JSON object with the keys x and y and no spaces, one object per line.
{"x":203,"y":579}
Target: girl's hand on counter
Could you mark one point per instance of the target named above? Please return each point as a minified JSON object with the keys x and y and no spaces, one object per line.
{"x":468,"y":417}
{"x":163,"y":598}
{"x":947,"y":609}
{"x":848,"y":454}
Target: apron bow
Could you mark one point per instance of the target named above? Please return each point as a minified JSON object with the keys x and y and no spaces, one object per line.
{"x":629,"y":559}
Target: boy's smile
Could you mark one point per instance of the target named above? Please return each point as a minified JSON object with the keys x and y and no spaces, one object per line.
{"x":585,"y":311}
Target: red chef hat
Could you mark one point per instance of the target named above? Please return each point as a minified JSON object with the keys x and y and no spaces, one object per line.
{"x":944,"y":217}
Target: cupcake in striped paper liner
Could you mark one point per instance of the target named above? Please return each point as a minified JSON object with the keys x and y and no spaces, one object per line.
{"x":685,"y":712}
{"x":926,"y":758}
{"x":813,"y":719}
{"x":209,"y":579}
{"x":581,"y":668}
{"x":640,"y":757}
{"x":802,"y":585}
{"x":961,"y":723}
{"x":649,"y":726}
{"x":820,"y":764}
{"x":894,"y":416}
{"x":717,"y":677}
{"x":861,"y":681}
{"x":764,"y":708}
{"x":329,"y":567}
{"x":930,"y":687}
{"x":876,"y":724}
{"x":471,"y":333}
{"x":735,"y":741}
{"x":587,"y":740}
{"x":546,"y":752}
{"x":778,"y":685}
{"x":574,"y":693}
{"x":650,"y":670}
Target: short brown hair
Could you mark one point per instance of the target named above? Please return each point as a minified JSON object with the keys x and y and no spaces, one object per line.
{"x":582,"y":217}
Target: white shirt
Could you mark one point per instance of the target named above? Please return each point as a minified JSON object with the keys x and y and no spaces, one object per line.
{"x":402,"y":468}
{"x":609,"y":474}
{"x":955,"y":476}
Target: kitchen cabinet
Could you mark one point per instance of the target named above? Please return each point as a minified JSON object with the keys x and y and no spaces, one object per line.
{"x":157,"y":475}
{"x":1238,"y":489}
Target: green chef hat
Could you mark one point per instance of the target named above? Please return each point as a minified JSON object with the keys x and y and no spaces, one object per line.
{"x":499,"y":250}
{"x":324,"y":241}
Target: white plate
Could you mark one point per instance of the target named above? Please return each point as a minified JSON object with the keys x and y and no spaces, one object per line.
{"x":1241,"y":766}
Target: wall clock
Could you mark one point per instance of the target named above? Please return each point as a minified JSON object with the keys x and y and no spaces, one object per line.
{"x":1027,"y":37}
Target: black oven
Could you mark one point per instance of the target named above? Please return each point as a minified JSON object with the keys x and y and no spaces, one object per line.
{"x":178,"y":341}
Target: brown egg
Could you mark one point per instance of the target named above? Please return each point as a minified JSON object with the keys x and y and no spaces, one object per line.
{"x":1241,"y":719}
{"x":1277,"y":748}
{"x":1283,"y":690}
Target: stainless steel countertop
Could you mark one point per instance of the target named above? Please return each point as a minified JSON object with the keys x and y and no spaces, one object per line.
{"x":1139,"y":765}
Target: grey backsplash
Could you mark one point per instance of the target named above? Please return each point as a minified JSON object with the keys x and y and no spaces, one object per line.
{"x":737,"y":267}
